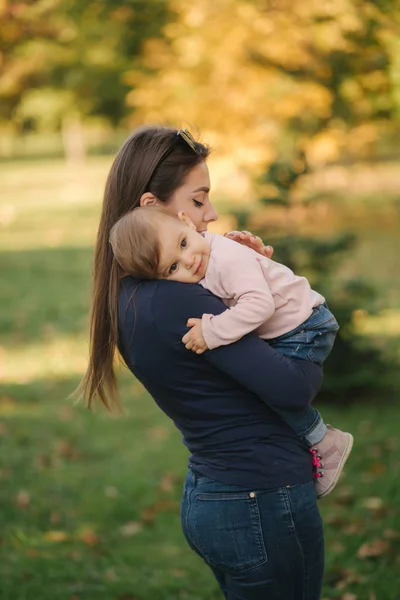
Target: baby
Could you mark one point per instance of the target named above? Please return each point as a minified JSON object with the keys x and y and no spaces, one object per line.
{"x":261,"y":295}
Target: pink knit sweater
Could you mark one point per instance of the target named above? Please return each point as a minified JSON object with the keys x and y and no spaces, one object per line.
{"x":261,"y":294}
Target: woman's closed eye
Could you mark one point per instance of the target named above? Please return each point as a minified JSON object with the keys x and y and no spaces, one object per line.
{"x":197,"y":203}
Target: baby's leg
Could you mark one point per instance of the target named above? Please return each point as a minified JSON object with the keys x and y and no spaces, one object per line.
{"x":313,"y":340}
{"x":307,"y":423}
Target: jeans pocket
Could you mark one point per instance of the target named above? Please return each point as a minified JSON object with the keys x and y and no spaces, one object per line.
{"x":322,"y":347}
{"x":227,"y":531}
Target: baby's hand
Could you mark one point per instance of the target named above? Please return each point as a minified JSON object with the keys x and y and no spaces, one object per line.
{"x":252,"y":241}
{"x":194,"y":339}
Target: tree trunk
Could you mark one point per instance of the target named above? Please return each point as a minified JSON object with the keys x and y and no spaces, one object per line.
{"x":73,"y":139}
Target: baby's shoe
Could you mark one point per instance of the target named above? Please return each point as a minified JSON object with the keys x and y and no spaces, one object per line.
{"x":329,"y":458}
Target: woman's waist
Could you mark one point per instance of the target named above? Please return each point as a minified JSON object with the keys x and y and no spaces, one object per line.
{"x":257,"y":466}
{"x":258,"y":455}
{"x":222,"y":434}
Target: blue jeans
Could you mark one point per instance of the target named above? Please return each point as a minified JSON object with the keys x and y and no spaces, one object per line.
{"x":260,"y":544}
{"x":312,"y":340}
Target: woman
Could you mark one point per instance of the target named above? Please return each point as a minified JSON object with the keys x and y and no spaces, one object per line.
{"x":249,"y":504}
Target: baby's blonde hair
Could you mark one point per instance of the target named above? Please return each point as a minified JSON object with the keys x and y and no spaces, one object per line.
{"x":135,"y":241}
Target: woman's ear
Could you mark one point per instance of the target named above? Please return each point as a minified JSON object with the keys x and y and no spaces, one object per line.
{"x":182,"y":216}
{"x":148,"y":199}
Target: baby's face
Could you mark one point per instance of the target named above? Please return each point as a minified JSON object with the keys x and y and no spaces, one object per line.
{"x":184,"y":253}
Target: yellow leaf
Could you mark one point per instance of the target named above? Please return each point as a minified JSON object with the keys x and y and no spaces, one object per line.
{"x":56,"y":536}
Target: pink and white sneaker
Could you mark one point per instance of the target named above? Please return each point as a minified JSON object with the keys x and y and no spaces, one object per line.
{"x":329,"y":458}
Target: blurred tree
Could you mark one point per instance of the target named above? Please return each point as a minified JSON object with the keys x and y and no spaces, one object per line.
{"x":64,"y":60}
{"x":356,"y":367}
{"x":287,"y":87}
{"x":244,"y":72}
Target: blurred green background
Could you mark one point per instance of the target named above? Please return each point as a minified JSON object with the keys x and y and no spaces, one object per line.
{"x":300,"y":102}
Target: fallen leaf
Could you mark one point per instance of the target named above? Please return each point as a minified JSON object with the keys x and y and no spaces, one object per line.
{"x":131,"y":528}
{"x":334,"y":519}
{"x":373,"y":503}
{"x":377,"y":468}
{"x":337,"y":547}
{"x":373,"y":549}
{"x":177,"y":573}
{"x":55,"y":518}
{"x":67,"y":450}
{"x":56,"y":536}
{"x":345,"y":497}
{"x":354,"y":527}
{"x":158,"y":433}
{"x":150,"y":513}
{"x":23,"y":499}
{"x":348,"y":576}
{"x":391,"y":534}
{"x":89,"y":537}
{"x":167,"y":482}
{"x":111,"y":575}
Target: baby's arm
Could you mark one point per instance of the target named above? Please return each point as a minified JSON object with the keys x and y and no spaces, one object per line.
{"x":238,"y":276}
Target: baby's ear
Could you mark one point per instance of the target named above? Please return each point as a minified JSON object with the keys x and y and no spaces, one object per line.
{"x":182,"y":216}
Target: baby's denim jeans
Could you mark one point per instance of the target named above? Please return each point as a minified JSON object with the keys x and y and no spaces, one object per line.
{"x":312,"y":340}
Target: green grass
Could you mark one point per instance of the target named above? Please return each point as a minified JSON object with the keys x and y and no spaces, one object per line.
{"x":90,"y":502}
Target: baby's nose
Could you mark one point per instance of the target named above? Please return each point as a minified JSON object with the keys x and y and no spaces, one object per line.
{"x":189,"y":260}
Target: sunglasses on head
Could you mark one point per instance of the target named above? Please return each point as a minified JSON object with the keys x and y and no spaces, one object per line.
{"x":189,"y":139}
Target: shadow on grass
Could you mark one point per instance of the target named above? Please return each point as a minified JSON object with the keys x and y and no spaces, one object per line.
{"x":44,"y":292}
{"x":90,"y":501}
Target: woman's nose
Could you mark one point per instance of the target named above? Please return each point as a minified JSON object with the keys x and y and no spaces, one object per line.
{"x":211,"y":214}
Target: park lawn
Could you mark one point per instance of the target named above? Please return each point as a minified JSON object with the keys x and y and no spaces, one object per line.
{"x":90,"y":501}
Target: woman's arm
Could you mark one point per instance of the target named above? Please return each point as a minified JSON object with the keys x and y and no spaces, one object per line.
{"x":251,"y":362}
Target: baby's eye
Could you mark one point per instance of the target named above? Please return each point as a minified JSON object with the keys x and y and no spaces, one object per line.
{"x":173,"y":267}
{"x":197,"y":202}
{"x":184,"y":243}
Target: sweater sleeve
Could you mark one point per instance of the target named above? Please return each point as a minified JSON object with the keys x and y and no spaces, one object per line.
{"x":237,"y":275}
{"x":278,"y":381}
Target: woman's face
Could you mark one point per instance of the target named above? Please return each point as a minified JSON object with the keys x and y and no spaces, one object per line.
{"x":193,"y":198}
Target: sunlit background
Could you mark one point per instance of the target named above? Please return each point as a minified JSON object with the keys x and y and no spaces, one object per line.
{"x":300,"y":102}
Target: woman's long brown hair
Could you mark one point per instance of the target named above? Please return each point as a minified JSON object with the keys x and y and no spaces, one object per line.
{"x":155,"y":160}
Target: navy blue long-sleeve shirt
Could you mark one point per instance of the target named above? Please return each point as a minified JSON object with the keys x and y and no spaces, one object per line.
{"x":220,"y":400}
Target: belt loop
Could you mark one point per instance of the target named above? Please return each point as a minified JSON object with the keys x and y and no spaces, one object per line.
{"x":192,"y":474}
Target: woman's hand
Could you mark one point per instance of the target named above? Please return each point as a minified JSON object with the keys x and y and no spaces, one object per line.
{"x":194,"y":339}
{"x":251,"y":241}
